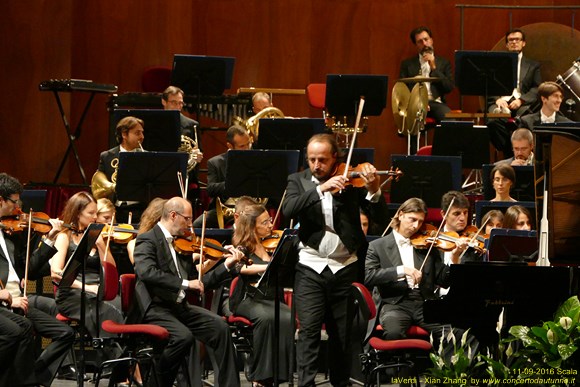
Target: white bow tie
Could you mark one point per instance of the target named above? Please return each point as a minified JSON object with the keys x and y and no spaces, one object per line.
{"x":404,"y":242}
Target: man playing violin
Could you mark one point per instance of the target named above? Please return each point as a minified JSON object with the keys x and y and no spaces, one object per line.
{"x":331,"y":243}
{"x":163,"y":277}
{"x":405,"y":276}
{"x":29,"y":309}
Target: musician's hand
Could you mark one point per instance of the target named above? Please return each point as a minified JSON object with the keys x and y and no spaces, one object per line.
{"x":430,"y":57}
{"x":195,"y":285}
{"x":198,"y":157}
{"x":370,"y":177}
{"x":56,"y":228}
{"x":515,"y":104}
{"x":460,"y":246}
{"x":501,"y":104}
{"x":519,"y":162}
{"x":56,"y":275}
{"x":94,"y":289}
{"x":335,"y":183}
{"x":413,"y":275}
{"x":20,"y":303}
{"x":5,"y":297}
{"x":234,"y":257}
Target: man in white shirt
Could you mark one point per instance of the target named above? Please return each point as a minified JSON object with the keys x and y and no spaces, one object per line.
{"x":551,"y":95}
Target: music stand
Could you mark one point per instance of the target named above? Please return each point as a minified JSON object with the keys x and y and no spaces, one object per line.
{"x":288,"y":133}
{"x":162,"y":127}
{"x":343,"y":93}
{"x":279,"y":274}
{"x":425,"y":177}
{"x":512,"y":246}
{"x":259,"y":173}
{"x":523,"y":188}
{"x":143,"y":176}
{"x":75,"y":263}
{"x":486,"y":73}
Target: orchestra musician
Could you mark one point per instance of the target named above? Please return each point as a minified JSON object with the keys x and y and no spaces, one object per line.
{"x":163,"y":277}
{"x":26,"y":313}
{"x":517,"y":218}
{"x":393,"y":265}
{"x":523,"y":96}
{"x":254,"y":224}
{"x":129,"y":136}
{"x":494,"y":219}
{"x":551,"y":95}
{"x":523,"y":146}
{"x":331,"y":242}
{"x":237,"y":138}
{"x":426,"y":64}
{"x":503,"y":177}
{"x":261,"y":101}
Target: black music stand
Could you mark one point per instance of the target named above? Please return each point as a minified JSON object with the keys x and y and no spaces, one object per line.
{"x":288,"y":133}
{"x":513,"y":246}
{"x":279,"y":274}
{"x":75,"y":263}
{"x":259,"y":173}
{"x":343,"y":93}
{"x":162,"y":127}
{"x":143,"y":176}
{"x":425,"y":177}
{"x":486,"y":73}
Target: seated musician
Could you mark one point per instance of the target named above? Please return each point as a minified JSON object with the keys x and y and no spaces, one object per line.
{"x":404,"y":275}
{"x":517,"y":218}
{"x":237,"y":138}
{"x":261,"y":101}
{"x":503,"y":177}
{"x":254,"y":224}
{"x":551,"y":95}
{"x":522,"y":145}
{"x":129,"y":136}
{"x":426,"y":64}
{"x":493,"y":219}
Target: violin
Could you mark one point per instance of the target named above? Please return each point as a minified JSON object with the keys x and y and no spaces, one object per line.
{"x":18,"y":221}
{"x":354,"y":173}
{"x":190,"y":243}
{"x":446,"y":241}
{"x":271,"y":241}
{"x":481,"y":238}
{"x":121,"y":233}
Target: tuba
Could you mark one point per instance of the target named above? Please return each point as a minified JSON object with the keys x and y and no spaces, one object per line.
{"x":190,"y":147}
{"x":101,"y":186}
{"x":253,"y":123}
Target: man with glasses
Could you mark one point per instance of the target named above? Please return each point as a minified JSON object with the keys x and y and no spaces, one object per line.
{"x":522,"y":98}
{"x":163,"y":278}
{"x":522,"y":141}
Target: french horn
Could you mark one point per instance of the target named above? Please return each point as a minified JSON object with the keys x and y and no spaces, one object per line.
{"x":189,"y":146}
{"x":252,"y":124}
{"x":101,"y":187}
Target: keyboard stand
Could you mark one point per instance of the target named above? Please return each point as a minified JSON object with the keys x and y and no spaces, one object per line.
{"x":72,"y":137}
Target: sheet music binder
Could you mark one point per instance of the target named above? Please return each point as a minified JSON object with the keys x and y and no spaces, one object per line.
{"x":75,"y":262}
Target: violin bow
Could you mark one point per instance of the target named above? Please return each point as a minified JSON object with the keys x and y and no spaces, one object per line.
{"x":181,"y":185}
{"x":437,"y":234}
{"x":202,"y":241}
{"x":389,"y":225}
{"x":27,"y":252}
{"x":483,"y":223}
{"x":361,"y":105}
{"x":279,"y":208}
{"x":111,"y":232}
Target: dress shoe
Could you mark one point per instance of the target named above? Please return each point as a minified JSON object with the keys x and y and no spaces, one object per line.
{"x":69,"y":373}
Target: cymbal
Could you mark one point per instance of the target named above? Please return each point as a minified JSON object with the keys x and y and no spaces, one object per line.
{"x":417,"y":110}
{"x":419,"y":79}
{"x":400,"y":101}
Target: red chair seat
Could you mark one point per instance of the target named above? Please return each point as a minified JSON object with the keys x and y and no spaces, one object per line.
{"x":154,"y":331}
{"x":316,"y":93}
{"x":399,"y":345}
{"x":63,"y":318}
{"x":239,"y":320}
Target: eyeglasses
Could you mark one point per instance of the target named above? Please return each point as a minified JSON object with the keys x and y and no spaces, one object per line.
{"x":176,"y":103}
{"x":188,"y":219}
{"x":17,"y":202}
{"x":266,"y":222}
{"x":515,"y":40}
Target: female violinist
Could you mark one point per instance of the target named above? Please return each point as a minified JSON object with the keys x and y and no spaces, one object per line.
{"x":517,"y":218}
{"x":494,"y":220}
{"x":254,"y":223}
{"x":80,"y":211}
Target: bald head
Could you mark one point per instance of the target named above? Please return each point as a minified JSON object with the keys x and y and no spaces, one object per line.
{"x":177,"y":216}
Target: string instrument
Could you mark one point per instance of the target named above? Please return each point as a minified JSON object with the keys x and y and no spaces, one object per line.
{"x":120,"y":233}
{"x":445,"y":241}
{"x":189,"y":244}
{"x":471,"y":231}
{"x":354,"y":174}
{"x":18,"y":221}
{"x":271,"y":241}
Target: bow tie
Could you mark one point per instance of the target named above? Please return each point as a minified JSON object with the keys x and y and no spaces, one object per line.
{"x":404,"y":242}
{"x":169,"y":239}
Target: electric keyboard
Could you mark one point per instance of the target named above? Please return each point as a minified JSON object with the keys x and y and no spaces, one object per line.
{"x":76,"y":85}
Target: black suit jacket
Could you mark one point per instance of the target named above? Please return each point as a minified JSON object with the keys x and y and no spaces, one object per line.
{"x":411,"y":67}
{"x":157,"y":278}
{"x":302,"y":202}
{"x":216,"y":178}
{"x":534,"y":119}
{"x":381,"y":263}
{"x":530,"y":79}
{"x":16,"y":246}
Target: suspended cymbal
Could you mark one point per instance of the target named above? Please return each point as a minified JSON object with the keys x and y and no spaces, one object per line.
{"x":419,"y":79}
{"x":416,"y":110}
{"x":400,"y":101}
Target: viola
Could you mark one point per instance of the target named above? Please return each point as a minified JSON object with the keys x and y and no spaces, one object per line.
{"x":121,"y":233}
{"x":191,"y":243}
{"x":271,"y":241}
{"x":18,"y":221}
{"x":354,"y":173}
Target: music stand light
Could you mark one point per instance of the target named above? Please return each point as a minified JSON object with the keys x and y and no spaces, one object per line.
{"x":162,"y":127}
{"x":343,"y":93}
{"x":259,"y":173}
{"x":143,"y":176}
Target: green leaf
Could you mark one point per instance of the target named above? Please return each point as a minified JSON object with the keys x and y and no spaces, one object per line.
{"x":567,"y":307}
{"x":566,"y":351}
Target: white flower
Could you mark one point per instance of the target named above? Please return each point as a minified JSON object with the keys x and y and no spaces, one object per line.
{"x":566,"y":322}
{"x":551,"y":336}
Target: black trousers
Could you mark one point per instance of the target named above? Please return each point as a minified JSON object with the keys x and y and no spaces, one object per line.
{"x":324,"y":298}
{"x":15,"y":331}
{"x":186,"y":323}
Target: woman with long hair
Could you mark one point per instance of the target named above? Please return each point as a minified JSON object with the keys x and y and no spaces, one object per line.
{"x":517,"y":218}
{"x":253,"y":225}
